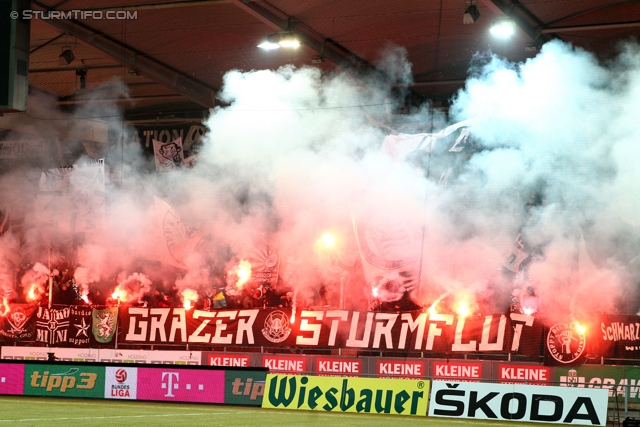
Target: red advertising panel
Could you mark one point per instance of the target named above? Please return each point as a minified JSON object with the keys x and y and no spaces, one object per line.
{"x":180,"y":385}
{"x":530,"y":374}
{"x":401,"y":368}
{"x":457,"y":370}
{"x":285,"y":364}
{"x":338,"y":366}
{"x":11,"y":378}
{"x":243,"y":361}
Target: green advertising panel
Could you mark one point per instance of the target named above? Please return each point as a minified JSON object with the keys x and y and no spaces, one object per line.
{"x":615,"y":378}
{"x":64,"y":380}
{"x":244,"y":387}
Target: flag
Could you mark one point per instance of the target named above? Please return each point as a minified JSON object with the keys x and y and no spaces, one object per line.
{"x":397,"y":147}
{"x":390,"y":250}
{"x":264,"y":267}
{"x":18,"y":323}
{"x":169,"y":156}
{"x":52,"y":325}
{"x":72,"y":198}
{"x":79,"y":325}
{"x":104,"y":324}
{"x":177,"y":240}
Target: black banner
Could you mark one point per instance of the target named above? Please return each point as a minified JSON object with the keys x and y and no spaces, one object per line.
{"x":404,"y":331}
{"x":18,"y":323}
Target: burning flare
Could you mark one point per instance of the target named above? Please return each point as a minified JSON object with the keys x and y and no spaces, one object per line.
{"x":243,"y":272}
{"x":119,"y":294}
{"x":33,"y":293}
{"x":463,"y":309}
{"x":4,"y":307}
{"x":328,"y":240}
{"x":189,"y":297}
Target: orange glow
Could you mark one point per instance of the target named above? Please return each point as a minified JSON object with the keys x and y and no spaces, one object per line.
{"x":580,"y":328}
{"x":189,"y":297}
{"x":328,"y":240}
{"x":293,"y":316}
{"x":529,"y":310}
{"x":32,"y":294}
{"x":4,"y":307}
{"x":243,"y":272}
{"x":119,"y":294}
{"x":463,"y":309}
{"x":85,"y":299}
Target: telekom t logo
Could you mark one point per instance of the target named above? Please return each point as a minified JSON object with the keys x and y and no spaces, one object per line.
{"x":170,"y":384}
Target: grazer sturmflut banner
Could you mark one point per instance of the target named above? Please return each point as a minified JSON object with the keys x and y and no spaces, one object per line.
{"x":410,"y":331}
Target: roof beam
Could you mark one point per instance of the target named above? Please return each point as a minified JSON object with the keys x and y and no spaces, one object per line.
{"x":147,"y":65}
{"x":326,"y":47}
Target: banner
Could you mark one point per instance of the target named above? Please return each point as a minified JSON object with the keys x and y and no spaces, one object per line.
{"x":104,"y":324}
{"x":52,"y":325}
{"x":80,"y":326}
{"x":168,"y":156}
{"x":64,"y":380}
{"x":408,"y":331}
{"x":336,"y":394}
{"x":180,"y":385}
{"x":177,"y":239}
{"x":615,"y":379}
{"x":264,"y":267}
{"x":244,"y":387}
{"x":72,"y":198}
{"x":18,"y":323}
{"x":518,"y":402}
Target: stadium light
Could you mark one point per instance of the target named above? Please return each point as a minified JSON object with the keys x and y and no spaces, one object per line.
{"x":278,"y":40}
{"x":503,"y":28}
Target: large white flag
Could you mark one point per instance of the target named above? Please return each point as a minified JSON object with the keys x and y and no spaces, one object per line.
{"x":72,"y":198}
{"x":178,"y":240}
{"x":397,"y":147}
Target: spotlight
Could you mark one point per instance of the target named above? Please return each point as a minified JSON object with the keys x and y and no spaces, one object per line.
{"x":66,"y":57}
{"x":278,"y":40}
{"x":289,"y":40}
{"x":503,"y":28}
{"x":471,"y":15}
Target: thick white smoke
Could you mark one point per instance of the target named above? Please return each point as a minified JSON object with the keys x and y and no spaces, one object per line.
{"x":293,"y":154}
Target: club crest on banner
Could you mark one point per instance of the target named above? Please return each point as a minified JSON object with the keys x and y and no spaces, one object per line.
{"x":104,"y":324}
{"x":276,"y":327}
{"x":565,"y":342}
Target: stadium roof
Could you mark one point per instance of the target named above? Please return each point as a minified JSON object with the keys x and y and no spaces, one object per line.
{"x":172,"y":54}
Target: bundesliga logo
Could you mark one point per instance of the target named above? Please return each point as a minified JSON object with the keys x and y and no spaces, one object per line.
{"x":121,"y":375}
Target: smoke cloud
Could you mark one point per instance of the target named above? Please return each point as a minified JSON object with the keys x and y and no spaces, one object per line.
{"x":293,"y":154}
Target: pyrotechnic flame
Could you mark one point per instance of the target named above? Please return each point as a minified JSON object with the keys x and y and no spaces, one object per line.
{"x":328,"y":240}
{"x":85,"y":299}
{"x":579,"y":327}
{"x":293,"y":315}
{"x":4,"y":307}
{"x":32,"y":294}
{"x":463,"y":309}
{"x":119,"y":294}
{"x":243,"y":272}
{"x":374,"y":291}
{"x":432,"y":309}
{"x":189,"y":297}
{"x":529,"y":310}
